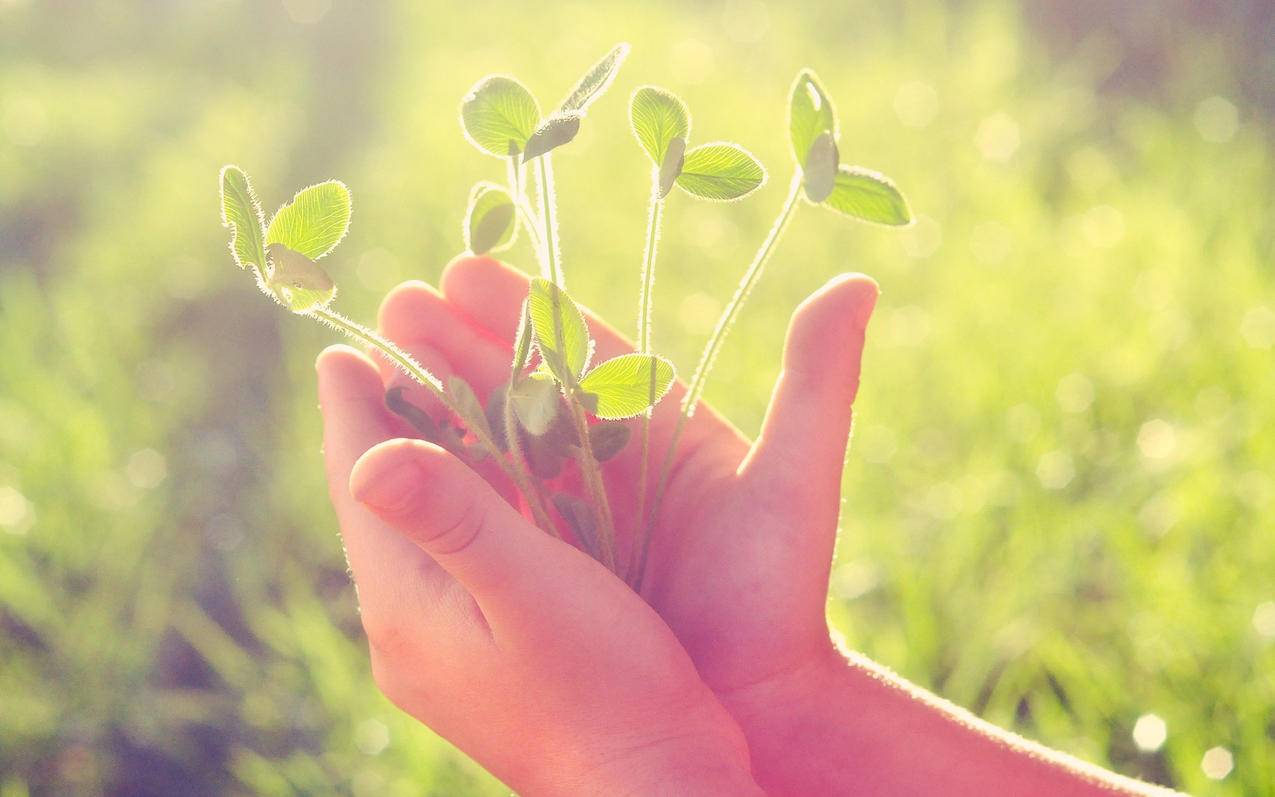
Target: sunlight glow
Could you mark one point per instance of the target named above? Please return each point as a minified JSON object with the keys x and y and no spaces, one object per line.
{"x":1149,"y":733}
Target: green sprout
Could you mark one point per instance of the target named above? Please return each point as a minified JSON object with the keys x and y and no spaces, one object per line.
{"x":559,"y":405}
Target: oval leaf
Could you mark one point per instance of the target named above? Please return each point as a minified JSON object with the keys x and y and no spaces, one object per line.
{"x":868,"y":196}
{"x":522,"y":344}
{"x":674,"y":162}
{"x":579,"y":516}
{"x":657,"y":117}
{"x":314,"y":222}
{"x":721,"y":171}
{"x":597,"y":80}
{"x":820,"y":170}
{"x":535,"y":401}
{"x":810,"y":113}
{"x":557,"y":130}
{"x":495,"y":412}
{"x":241,"y":213}
{"x":499,"y":115}
{"x":608,"y":439}
{"x":466,"y":405}
{"x":545,"y":302}
{"x":623,"y":384}
{"x":298,"y":281}
{"x":489,"y":221}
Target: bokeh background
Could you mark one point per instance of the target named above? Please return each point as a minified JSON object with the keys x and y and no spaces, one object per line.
{"x":1060,"y":502}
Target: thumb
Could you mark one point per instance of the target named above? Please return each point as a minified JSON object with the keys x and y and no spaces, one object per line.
{"x":454,"y":515}
{"x":802,"y":445}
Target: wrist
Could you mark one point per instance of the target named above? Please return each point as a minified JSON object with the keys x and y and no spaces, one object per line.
{"x":675,"y":768}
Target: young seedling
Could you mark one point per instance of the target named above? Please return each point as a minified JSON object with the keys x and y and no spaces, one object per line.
{"x":719,"y":171}
{"x":283,"y":256}
{"x":851,"y":190}
{"x":539,"y":421}
{"x":502,"y":118}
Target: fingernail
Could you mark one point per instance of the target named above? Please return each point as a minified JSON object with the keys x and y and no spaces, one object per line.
{"x":390,"y":486}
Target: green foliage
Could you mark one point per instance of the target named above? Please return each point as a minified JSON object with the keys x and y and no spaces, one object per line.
{"x":868,"y":196}
{"x":241,"y":213}
{"x":546,"y":303}
{"x":489,"y":219}
{"x":622,"y":385}
{"x":720,"y":171}
{"x":657,"y":117}
{"x":821,"y":168}
{"x":596,"y":81}
{"x":558,"y":129}
{"x":810,"y":114}
{"x":535,"y":399}
{"x":300,"y":282}
{"x":608,"y":440}
{"x":314,"y":222}
{"x":499,"y":115}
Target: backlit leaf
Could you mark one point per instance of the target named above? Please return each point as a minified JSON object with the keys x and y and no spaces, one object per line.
{"x":489,"y":221}
{"x":623,"y":384}
{"x":499,"y":115}
{"x":545,"y":302}
{"x":557,"y":130}
{"x":608,"y":439}
{"x":657,"y":117}
{"x":535,"y":401}
{"x":720,"y":171}
{"x":597,"y":80}
{"x":580,"y":518}
{"x":810,"y":113}
{"x":671,"y":169}
{"x":241,"y":213}
{"x":298,"y":281}
{"x":465,"y":403}
{"x":868,"y":196}
{"x":314,"y":222}
{"x":820,"y":171}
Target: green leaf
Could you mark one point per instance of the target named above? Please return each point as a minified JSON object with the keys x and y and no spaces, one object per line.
{"x":608,"y":439}
{"x":674,"y":161}
{"x":597,"y":80}
{"x":546,"y":301}
{"x":489,"y":221}
{"x":314,"y":222}
{"x":522,"y":344}
{"x":241,"y":213}
{"x":535,"y":402}
{"x":495,"y":412}
{"x":414,"y":415}
{"x":557,"y":130}
{"x":579,"y":516}
{"x":298,"y":281}
{"x":868,"y":196}
{"x":810,"y":113}
{"x":499,"y":115}
{"x":542,"y":459}
{"x":465,"y":404}
{"x":657,"y":117}
{"x":623,"y":384}
{"x":720,"y":171}
{"x":820,"y":171}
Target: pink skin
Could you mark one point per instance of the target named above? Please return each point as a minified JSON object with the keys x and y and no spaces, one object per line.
{"x":738,"y":570}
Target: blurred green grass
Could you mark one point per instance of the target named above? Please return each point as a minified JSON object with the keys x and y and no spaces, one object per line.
{"x":1058,"y":501}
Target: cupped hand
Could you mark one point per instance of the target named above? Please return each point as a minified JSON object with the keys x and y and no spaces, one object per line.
{"x":741,"y":552}
{"x":518,"y":648}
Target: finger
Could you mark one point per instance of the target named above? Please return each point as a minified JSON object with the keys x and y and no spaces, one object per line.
{"x":450,"y":512}
{"x":802,"y":444}
{"x":384,"y":565}
{"x":416,"y":313}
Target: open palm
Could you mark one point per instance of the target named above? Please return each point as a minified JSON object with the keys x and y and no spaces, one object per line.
{"x":740,"y":557}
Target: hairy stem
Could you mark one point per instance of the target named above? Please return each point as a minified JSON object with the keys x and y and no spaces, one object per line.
{"x":516,"y":472}
{"x":516,"y":190}
{"x":709,"y":357}
{"x":645,"y":305}
{"x":588,"y":464}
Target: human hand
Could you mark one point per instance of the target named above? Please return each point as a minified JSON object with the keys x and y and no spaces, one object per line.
{"x":741,"y":552}
{"x":521,"y":650}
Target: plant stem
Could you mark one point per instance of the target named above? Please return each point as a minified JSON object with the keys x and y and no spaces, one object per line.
{"x":709,"y":357}
{"x":514,"y":169}
{"x":645,"y":306}
{"x":516,"y":472}
{"x":588,"y":464}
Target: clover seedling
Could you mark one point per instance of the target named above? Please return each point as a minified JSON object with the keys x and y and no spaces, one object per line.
{"x":538,"y":422}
